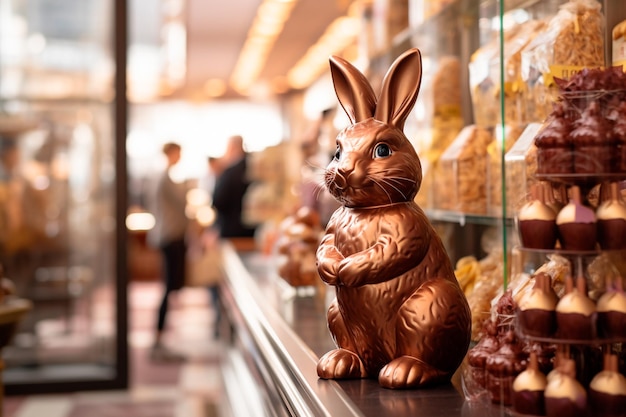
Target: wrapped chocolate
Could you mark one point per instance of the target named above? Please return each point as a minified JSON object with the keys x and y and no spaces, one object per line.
{"x":594,"y":145}
{"x":503,"y":366}
{"x":554,"y":148}
{"x":499,"y":356}
{"x":477,"y":356}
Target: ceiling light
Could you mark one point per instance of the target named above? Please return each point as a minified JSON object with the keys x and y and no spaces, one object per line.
{"x":339,"y":35}
{"x":267,"y":25}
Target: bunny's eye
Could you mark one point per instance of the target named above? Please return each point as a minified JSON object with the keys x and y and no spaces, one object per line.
{"x":383,"y":150}
{"x":337,"y":153}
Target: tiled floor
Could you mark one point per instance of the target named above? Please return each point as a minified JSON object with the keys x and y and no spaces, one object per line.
{"x":191,"y":389}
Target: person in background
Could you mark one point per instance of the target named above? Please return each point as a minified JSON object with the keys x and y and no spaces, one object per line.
{"x":230,"y":188}
{"x":207,"y":181}
{"x":210,"y":235}
{"x":168,"y":235}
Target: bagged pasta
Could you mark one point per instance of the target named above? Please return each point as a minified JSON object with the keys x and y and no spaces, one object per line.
{"x":442,"y":120}
{"x":573,"y":40}
{"x":515,"y":112}
{"x":619,"y":45}
{"x":462,"y":172}
{"x":484,"y":80}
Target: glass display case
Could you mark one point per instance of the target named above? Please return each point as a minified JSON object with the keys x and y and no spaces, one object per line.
{"x":63,"y":192}
{"x":536,"y":80}
{"x":555,"y":85}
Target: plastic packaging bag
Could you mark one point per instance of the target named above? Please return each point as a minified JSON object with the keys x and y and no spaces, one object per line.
{"x":574,"y":40}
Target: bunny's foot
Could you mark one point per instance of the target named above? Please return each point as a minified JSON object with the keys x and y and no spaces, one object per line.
{"x":340,"y":364}
{"x":409,"y":372}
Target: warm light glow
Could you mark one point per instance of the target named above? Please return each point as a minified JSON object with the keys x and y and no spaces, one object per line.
{"x":160,"y":69}
{"x":205,"y":216}
{"x":214,"y":87}
{"x":339,"y":35}
{"x":140,"y":221}
{"x":202,"y":129}
{"x":197,"y":197}
{"x":267,"y":25}
{"x":175,"y":52}
{"x":280,"y":85}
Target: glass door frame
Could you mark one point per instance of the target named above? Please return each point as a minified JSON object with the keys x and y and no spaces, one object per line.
{"x":120,"y":380}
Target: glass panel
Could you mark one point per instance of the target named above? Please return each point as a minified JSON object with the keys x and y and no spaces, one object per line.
{"x":58,"y":188}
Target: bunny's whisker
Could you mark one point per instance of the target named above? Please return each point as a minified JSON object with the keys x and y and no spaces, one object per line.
{"x":315,"y":166}
{"x":383,"y":188}
{"x":386,"y":181}
{"x":399,"y":180}
{"x":390,"y":174}
{"x":318,"y":191}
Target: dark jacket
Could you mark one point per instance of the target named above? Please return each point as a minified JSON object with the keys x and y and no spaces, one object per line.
{"x":230,"y":188}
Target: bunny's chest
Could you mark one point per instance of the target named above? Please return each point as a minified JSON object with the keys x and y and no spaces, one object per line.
{"x":356,"y":231}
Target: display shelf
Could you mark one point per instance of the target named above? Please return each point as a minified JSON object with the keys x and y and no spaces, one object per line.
{"x":582,"y":179}
{"x":281,"y":339}
{"x":555,"y":340}
{"x":466,"y":218}
{"x":519,"y":4}
{"x":573,"y":253}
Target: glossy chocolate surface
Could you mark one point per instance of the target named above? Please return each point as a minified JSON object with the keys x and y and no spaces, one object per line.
{"x":399,"y":313}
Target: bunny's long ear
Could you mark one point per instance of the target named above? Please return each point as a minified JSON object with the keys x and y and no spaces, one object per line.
{"x":400,"y":88}
{"x":354,"y":92}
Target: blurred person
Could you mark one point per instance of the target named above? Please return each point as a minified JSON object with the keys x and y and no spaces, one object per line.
{"x":207,"y":181}
{"x":210,"y":234}
{"x":230,"y":188}
{"x":168,"y":235}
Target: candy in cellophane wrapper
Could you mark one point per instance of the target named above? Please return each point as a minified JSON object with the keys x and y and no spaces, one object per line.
{"x":484,"y":80}
{"x":515,"y":109}
{"x":436,"y":121}
{"x":461,"y":180}
{"x":520,"y":164}
{"x":573,"y":40}
{"x":619,"y":45}
{"x":504,"y":140}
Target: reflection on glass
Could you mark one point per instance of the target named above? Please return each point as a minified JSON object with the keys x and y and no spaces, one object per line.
{"x":57,"y":188}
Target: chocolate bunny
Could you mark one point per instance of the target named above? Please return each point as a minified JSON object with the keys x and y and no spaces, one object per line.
{"x":399,"y":312}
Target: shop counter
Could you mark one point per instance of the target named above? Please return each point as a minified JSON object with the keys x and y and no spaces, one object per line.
{"x":279,"y":332}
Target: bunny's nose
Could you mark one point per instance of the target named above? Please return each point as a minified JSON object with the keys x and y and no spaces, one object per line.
{"x":352,"y":172}
{"x":340,"y":180}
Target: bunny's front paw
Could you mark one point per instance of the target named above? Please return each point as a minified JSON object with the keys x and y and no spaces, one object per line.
{"x":328,"y":272}
{"x":328,"y":261}
{"x":409,"y":372}
{"x":340,"y":364}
